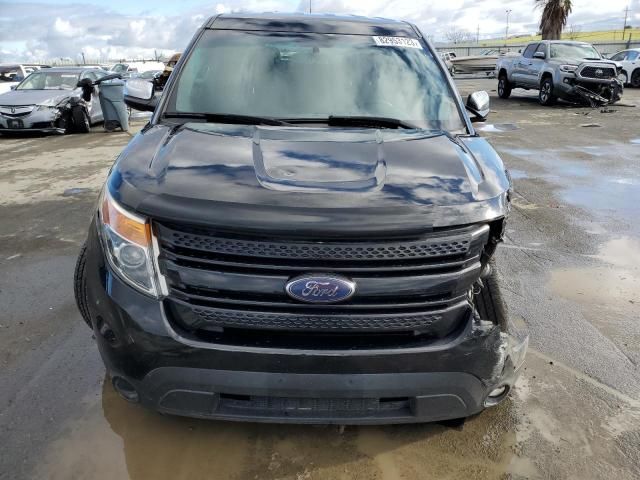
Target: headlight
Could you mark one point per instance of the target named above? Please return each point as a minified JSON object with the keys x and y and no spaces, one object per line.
{"x":568,"y":68}
{"x":128,"y":245}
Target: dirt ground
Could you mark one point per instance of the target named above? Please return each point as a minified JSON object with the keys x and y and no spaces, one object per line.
{"x":571,"y":264}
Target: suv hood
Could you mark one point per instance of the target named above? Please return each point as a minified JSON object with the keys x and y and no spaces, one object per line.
{"x":33,"y":97}
{"x":310,"y":179}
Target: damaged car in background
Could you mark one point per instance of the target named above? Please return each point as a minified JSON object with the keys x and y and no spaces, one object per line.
{"x":292,"y":238}
{"x":57,"y":100}
{"x":572,"y":71}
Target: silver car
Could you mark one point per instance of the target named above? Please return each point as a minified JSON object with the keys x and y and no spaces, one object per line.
{"x":60,"y":100}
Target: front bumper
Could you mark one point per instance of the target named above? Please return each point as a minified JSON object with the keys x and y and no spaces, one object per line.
{"x":37,"y":121}
{"x":450,"y":378}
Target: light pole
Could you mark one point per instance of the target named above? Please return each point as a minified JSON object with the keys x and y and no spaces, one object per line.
{"x":506,"y":32}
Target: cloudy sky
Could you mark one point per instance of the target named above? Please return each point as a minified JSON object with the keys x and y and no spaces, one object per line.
{"x":48,"y":29}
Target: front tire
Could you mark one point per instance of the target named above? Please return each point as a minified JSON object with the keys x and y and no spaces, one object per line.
{"x":504,"y":87}
{"x":81,"y":121}
{"x":80,"y":285}
{"x":545,"y":95}
{"x":635,"y":78}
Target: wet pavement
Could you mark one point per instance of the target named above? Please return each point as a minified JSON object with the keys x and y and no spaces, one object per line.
{"x":570,"y":267}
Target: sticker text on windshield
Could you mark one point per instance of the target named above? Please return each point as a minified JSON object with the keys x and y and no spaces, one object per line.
{"x":397,"y":42}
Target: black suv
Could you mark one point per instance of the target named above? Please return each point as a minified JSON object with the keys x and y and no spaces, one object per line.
{"x":303,"y":233}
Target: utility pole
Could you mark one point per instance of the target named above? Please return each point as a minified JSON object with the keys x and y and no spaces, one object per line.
{"x":624,"y":28}
{"x":478,"y":34}
{"x":83,"y":60}
{"x":310,"y":5}
{"x":506,"y":32}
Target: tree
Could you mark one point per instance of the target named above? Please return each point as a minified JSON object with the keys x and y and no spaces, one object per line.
{"x":458,"y":36}
{"x":554,"y":17}
{"x":574,"y":31}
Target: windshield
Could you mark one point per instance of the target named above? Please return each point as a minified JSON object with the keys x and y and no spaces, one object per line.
{"x":50,"y":81}
{"x":119,"y":68}
{"x":10,"y":74}
{"x":572,"y":50}
{"x":314,"y":76}
{"x":149,"y":74}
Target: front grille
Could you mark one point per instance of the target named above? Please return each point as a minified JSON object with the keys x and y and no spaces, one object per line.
{"x":312,"y":406}
{"x":219,"y":281}
{"x":421,"y":248}
{"x":16,"y":111}
{"x":597,"y":72}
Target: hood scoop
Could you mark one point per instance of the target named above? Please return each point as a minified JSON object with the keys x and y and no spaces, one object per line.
{"x":315,"y":160}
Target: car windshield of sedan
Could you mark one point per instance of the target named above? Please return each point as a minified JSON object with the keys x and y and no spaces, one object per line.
{"x":50,"y":81}
{"x":572,"y":50}
{"x":307,"y":76}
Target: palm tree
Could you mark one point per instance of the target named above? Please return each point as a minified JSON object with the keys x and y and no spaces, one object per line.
{"x":554,"y":17}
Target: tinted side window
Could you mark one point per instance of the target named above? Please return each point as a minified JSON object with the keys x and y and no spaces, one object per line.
{"x":618,"y":56}
{"x":528,"y":52}
{"x":632,"y":56}
{"x":541,"y":48}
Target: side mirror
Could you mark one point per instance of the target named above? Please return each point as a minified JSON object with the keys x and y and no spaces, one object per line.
{"x":13,"y":87}
{"x":479,"y":105}
{"x":139,"y":94}
{"x":539,"y":55}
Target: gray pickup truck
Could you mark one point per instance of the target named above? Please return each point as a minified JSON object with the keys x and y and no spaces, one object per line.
{"x":573,"y":71}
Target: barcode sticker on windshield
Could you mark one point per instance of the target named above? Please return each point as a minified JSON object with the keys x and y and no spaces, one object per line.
{"x":397,"y":42}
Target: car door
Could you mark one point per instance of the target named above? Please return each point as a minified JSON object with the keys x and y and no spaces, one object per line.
{"x":631,"y":62}
{"x":521,"y":65}
{"x":536,"y":65}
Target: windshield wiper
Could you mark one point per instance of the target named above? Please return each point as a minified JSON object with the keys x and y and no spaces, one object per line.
{"x":227,"y":118}
{"x":382,"y":122}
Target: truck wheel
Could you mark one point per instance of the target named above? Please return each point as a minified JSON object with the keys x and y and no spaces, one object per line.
{"x":81,"y":121}
{"x":488,"y":301}
{"x":635,"y":78}
{"x":546,"y":95}
{"x":80,"y":285}
{"x":504,"y":87}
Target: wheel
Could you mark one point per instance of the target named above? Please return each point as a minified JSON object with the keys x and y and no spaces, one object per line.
{"x":546,"y":95}
{"x":81,"y":121}
{"x":80,"y":285}
{"x":635,"y":78}
{"x":624,"y":78}
{"x":504,"y":87}
{"x":488,"y":301}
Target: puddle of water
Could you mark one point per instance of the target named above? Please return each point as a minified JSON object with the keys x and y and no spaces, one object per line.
{"x":518,"y":174}
{"x":124,"y":441}
{"x":498,"y":127}
{"x":590,"y":181}
{"x":69,"y":192}
{"x":615,"y":285}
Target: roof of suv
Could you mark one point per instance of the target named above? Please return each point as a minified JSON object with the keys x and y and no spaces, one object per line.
{"x":312,"y":23}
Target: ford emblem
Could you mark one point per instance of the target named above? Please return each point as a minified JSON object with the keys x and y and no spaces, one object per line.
{"x":321,"y":288}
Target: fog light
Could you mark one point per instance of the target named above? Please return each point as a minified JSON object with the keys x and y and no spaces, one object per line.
{"x":498,"y":392}
{"x":496,"y":396}
{"x":125,"y":389}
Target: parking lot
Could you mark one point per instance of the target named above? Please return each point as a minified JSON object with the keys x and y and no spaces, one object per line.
{"x":570,"y":267}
